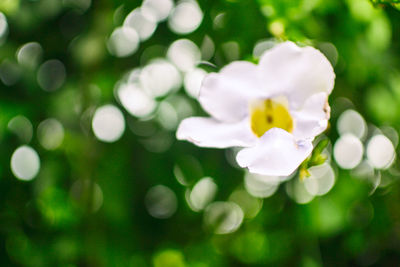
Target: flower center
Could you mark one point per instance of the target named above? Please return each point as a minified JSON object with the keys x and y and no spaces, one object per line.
{"x":270,"y":113}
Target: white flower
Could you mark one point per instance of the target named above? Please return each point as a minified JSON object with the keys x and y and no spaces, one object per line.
{"x":274,"y":109}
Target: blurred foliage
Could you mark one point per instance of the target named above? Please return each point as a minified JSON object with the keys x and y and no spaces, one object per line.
{"x":89,"y":206}
{"x":385,"y":1}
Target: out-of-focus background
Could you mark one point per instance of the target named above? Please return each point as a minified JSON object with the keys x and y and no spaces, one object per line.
{"x":91,"y":174}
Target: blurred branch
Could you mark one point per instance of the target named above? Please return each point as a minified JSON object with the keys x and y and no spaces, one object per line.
{"x":316,"y":158}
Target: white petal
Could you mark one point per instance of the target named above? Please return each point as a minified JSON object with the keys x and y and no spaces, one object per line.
{"x":297,"y":72}
{"x":312,"y":118}
{"x":207,"y":132}
{"x":276,"y":154}
{"x":225,"y":95}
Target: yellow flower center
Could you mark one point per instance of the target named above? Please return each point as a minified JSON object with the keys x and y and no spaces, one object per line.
{"x":270,"y":113}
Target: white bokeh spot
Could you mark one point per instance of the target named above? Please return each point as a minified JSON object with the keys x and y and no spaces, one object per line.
{"x":108,"y":123}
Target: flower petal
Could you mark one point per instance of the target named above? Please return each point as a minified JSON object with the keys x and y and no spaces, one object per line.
{"x":276,"y":154}
{"x":297,"y":72}
{"x":312,"y":118}
{"x":207,"y":132}
{"x":225,"y":95}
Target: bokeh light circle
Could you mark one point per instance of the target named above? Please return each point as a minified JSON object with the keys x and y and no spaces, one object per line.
{"x":184,"y":54}
{"x":203,"y":193}
{"x":297,"y":191}
{"x":348,"y":151}
{"x":29,"y":54}
{"x":158,"y":9}
{"x":159,"y":78}
{"x":135,"y":100}
{"x":51,"y":75}
{"x":321,"y":179}
{"x":167,"y":116}
{"x":185,"y":17}
{"x":223,"y":217}
{"x":262,"y":46}
{"x":250,"y":205}
{"x":262,"y":186}
{"x":123,"y":42}
{"x":50,"y":134}
{"x":352,"y":122}
{"x":161,"y":202}
{"x":108,"y":123}
{"x":25,"y":163}
{"x":380,"y":152}
{"x":143,"y":22}
{"x":10,"y":72}
{"x":3,"y":26}
{"x":22,"y":127}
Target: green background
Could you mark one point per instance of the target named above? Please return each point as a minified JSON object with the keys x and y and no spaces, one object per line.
{"x":42,"y":224}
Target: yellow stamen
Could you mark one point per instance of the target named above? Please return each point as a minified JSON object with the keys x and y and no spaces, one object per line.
{"x":270,"y":113}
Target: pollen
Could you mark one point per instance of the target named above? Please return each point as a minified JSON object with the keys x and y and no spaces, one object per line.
{"x":270,"y":113}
